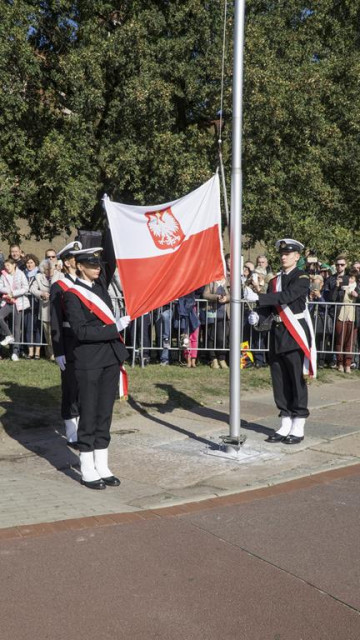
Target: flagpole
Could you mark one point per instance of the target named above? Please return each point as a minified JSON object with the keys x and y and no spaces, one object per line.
{"x":236,"y":228}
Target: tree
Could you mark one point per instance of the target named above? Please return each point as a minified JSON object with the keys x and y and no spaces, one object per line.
{"x":302,"y":123}
{"x":118,"y":97}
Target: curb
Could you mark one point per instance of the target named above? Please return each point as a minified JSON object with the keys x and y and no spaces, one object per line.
{"x":78,"y":524}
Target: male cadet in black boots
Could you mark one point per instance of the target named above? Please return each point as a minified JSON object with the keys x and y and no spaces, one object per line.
{"x":63,"y":343}
{"x":292,"y":352}
{"x":98,"y":354}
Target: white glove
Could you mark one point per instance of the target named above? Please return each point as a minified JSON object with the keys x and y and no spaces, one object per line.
{"x":250,"y":295}
{"x":122,"y":323}
{"x":61,"y":361}
{"x":253,"y":318}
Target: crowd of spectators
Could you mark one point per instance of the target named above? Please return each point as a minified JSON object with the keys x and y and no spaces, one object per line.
{"x":193,"y":327}
{"x":25,"y":283}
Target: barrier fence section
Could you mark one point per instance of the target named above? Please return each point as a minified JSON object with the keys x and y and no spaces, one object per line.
{"x":166,"y":333}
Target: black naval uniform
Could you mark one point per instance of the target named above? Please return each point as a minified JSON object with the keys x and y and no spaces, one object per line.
{"x":97,"y":355}
{"x":63,"y":340}
{"x":285,"y":356}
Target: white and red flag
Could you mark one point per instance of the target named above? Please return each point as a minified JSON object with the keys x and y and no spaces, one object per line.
{"x":166,"y":251}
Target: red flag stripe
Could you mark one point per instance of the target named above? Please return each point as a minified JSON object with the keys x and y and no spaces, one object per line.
{"x":152,"y":282}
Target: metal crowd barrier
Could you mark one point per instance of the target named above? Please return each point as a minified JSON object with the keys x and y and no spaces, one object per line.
{"x":165,"y":330}
{"x":26,"y":326}
{"x":146,"y":336}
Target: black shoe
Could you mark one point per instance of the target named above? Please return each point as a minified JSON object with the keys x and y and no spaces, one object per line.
{"x":293,"y":439}
{"x":95,"y":484}
{"x":111,"y":481}
{"x":275,"y":437}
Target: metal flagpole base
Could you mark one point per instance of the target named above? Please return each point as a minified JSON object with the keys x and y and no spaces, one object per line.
{"x":230,"y":448}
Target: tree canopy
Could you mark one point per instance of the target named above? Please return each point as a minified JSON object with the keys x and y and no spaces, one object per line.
{"x":119,"y":96}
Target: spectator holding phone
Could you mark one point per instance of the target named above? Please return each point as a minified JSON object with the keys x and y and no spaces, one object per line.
{"x":348,"y":320}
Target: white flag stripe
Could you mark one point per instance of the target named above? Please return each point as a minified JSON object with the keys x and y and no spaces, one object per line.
{"x":195,"y":212}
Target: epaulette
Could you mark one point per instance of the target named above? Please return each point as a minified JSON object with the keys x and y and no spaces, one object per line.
{"x":304,"y":276}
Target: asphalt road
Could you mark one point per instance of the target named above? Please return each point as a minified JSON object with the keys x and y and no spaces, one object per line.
{"x":278,"y":564}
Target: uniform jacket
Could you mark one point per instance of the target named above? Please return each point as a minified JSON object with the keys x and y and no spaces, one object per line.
{"x":96,"y":344}
{"x":295,"y":289}
{"x":63,"y":338}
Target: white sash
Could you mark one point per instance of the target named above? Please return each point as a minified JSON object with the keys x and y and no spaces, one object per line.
{"x":297,"y":332}
{"x":94,"y":303}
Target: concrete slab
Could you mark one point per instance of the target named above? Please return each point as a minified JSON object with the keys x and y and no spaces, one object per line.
{"x":343,"y":415}
{"x":161,"y":459}
{"x":348,"y":446}
{"x":325,"y":394}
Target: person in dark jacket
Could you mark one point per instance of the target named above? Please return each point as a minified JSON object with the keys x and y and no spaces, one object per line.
{"x":98,"y":354}
{"x":291,"y":341}
{"x":63,"y":340}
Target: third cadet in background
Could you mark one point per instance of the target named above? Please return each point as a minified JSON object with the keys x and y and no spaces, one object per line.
{"x":63,"y":341}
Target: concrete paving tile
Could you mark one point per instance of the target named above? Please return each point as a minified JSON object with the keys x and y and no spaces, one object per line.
{"x":331,"y":393}
{"x":348,"y":446}
{"x":338,"y":415}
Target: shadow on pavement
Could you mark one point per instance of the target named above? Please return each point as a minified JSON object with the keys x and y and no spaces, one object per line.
{"x":178,"y":399}
{"x":36,"y":425}
{"x":257,"y":428}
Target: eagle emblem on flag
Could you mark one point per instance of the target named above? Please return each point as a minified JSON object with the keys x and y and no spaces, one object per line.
{"x":165,"y":229}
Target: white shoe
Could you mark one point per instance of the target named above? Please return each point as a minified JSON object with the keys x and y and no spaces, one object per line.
{"x":88,"y":471}
{"x":101,"y":457}
{"x":286,"y":425}
{"x":297,"y":428}
{"x":14,"y":357}
{"x":7,"y":340}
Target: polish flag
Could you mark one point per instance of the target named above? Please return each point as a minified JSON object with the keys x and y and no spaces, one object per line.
{"x":168,"y":250}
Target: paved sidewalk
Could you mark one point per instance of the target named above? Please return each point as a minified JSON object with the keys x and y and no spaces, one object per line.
{"x":163,"y":458}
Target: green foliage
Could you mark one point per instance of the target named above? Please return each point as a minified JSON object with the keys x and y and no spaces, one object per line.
{"x":119,"y":97}
{"x":302,"y":123}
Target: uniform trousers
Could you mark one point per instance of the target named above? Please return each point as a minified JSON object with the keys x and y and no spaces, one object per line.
{"x":69,"y":392}
{"x":289,"y":386}
{"x":97,"y":392}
